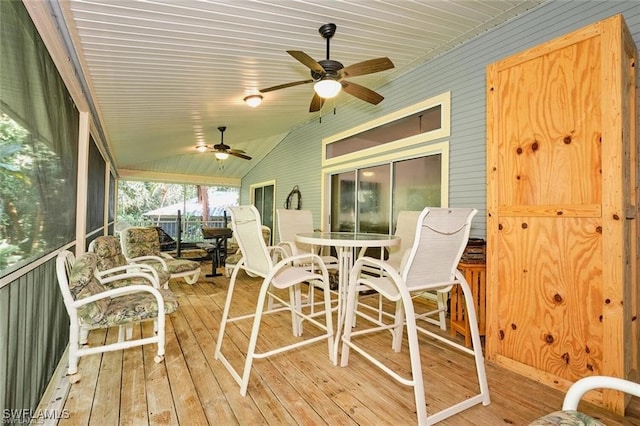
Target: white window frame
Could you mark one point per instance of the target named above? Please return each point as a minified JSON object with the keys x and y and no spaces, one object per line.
{"x":443,"y":100}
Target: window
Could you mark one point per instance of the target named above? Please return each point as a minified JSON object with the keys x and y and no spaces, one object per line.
{"x":420,"y":123}
{"x":263,"y":197}
{"x":378,"y":169}
{"x":424,"y":121}
{"x":368,"y":199}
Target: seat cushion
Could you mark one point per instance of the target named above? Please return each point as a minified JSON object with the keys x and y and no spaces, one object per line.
{"x":177,"y":266}
{"x":568,"y":418}
{"x":135,"y":307}
{"x":233,"y":259}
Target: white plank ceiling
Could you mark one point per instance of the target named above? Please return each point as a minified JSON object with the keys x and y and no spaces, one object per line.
{"x":164,"y":74}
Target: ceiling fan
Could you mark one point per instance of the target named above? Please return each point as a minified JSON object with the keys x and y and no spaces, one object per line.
{"x":329,"y":75}
{"x":221,"y":150}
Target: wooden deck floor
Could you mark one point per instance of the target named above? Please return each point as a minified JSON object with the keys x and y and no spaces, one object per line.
{"x":297,"y":387}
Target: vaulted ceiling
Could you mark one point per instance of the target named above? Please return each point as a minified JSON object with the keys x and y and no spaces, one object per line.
{"x":165,"y":74}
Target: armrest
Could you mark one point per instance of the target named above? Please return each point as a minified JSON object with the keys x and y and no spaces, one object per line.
{"x":154,"y":258}
{"x":276,"y":251}
{"x":292,"y":260}
{"x":128,"y":271}
{"x":289,"y":247}
{"x":582,"y":386}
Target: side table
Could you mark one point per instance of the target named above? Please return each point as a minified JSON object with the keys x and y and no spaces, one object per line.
{"x":476,"y":276}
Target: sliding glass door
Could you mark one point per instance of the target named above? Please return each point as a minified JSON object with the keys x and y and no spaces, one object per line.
{"x":368,"y":199}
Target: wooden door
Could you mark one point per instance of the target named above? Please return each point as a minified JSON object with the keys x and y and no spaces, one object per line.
{"x":561,"y":239}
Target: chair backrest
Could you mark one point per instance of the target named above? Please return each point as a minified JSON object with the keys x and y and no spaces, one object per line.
{"x":140,"y":241}
{"x":440,"y":238}
{"x":292,"y":222}
{"x":109,"y":252}
{"x":406,"y":230}
{"x":76,"y":280}
{"x":247,"y":230}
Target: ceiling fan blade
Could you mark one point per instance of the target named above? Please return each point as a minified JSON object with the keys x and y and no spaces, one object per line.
{"x":316,"y":103}
{"x":306,"y":60}
{"x":238,"y":154}
{"x":367,"y":67}
{"x":283,"y":86}
{"x":362,"y":92}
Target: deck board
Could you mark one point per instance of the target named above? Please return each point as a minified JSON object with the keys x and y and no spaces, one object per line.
{"x":298,"y":387}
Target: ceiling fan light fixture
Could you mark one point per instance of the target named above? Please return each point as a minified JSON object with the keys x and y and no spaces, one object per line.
{"x":221,"y":155}
{"x":327,"y":88}
{"x":253,"y":100}
{"x":201,"y":148}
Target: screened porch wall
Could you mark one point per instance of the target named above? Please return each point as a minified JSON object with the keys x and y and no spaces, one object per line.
{"x":34,"y":325}
{"x":297,"y":159}
{"x":34,"y":332}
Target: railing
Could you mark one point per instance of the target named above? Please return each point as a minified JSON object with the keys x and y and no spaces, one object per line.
{"x":191,"y":227}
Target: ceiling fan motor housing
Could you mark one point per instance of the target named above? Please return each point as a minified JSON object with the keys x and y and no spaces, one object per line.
{"x":331,"y":67}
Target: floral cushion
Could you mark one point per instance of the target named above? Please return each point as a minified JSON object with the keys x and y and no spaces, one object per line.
{"x":141,"y":242}
{"x":82,"y":283}
{"x":568,"y":418}
{"x":110,"y":256}
{"x":111,"y":310}
{"x":136,"y":307}
{"x":144,"y":242}
{"x":233,"y":259}
{"x":109,"y":252}
{"x":176,"y":266}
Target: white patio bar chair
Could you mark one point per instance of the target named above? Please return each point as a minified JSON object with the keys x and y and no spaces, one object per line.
{"x":440,"y":238}
{"x":283,"y":275}
{"x":406,"y":230}
{"x":290,"y":223}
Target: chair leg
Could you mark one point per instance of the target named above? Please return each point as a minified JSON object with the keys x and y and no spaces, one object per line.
{"x":159,"y":326}
{"x":74,"y":343}
{"x":475,"y":339}
{"x":253,"y":340}
{"x":191,"y":279}
{"x":416,"y":364}
{"x":442,"y":309}
{"x":349,"y":318}
{"x":295,"y":299}
{"x":84,"y":335}
{"x":397,"y":332}
{"x":225,"y":315}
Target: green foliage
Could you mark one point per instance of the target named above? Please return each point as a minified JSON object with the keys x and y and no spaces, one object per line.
{"x":136,"y":198}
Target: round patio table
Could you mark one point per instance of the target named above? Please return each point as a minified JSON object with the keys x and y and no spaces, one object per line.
{"x":345,"y":244}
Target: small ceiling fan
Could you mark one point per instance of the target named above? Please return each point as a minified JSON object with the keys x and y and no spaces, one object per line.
{"x":329,"y":75}
{"x":221,"y":150}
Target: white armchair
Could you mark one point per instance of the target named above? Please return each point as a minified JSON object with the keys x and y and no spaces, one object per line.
{"x":569,"y":415}
{"x":92,"y":304}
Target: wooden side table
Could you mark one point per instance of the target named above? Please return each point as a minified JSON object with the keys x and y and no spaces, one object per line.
{"x":476,"y":276}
